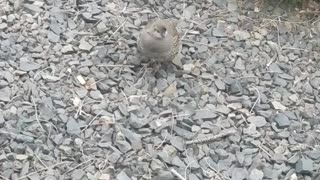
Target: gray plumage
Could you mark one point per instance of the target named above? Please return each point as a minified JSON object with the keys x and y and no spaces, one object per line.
{"x":159,"y":40}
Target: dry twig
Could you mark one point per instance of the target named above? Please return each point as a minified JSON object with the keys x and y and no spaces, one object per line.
{"x":211,"y":138}
{"x":36,"y":113}
{"x":116,"y":31}
{"x":22,"y":177}
{"x":94,"y":118}
{"x":258,"y":99}
{"x":177,"y":174}
{"x":78,"y":166}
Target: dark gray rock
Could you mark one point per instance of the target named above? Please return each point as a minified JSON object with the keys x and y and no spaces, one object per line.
{"x":236,"y":87}
{"x":123,"y":146}
{"x":282,"y":120}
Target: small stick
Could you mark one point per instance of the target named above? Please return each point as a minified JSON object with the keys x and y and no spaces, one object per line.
{"x":163,"y":141}
{"x":272,"y":59}
{"x":36,"y":113}
{"x":22,"y":177}
{"x":211,"y":138}
{"x":258,"y":99}
{"x":41,"y":161}
{"x":309,"y":12}
{"x":77,"y":166}
{"x":95,"y":117}
{"x":115,"y":65}
{"x":185,"y":172}
{"x":116,"y":30}
{"x":220,"y":176}
{"x":4,"y":178}
{"x":177,"y":174}
{"x":265,"y":151}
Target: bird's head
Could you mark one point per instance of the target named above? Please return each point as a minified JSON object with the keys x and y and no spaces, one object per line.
{"x":158,"y":31}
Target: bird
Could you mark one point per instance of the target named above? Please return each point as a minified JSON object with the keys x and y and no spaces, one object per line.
{"x":159,"y":40}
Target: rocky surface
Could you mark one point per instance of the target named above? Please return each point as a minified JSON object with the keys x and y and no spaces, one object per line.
{"x":76,"y":103}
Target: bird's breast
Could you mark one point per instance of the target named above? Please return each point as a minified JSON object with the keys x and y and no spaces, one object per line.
{"x":150,"y":44}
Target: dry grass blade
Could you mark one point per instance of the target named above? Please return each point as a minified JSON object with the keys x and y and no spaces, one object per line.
{"x":211,"y":138}
{"x":49,"y":167}
{"x":78,"y":166}
{"x":36,"y":113}
{"x":177,"y":174}
{"x":116,"y":30}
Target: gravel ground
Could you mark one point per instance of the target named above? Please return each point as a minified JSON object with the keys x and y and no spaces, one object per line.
{"x":76,"y":102}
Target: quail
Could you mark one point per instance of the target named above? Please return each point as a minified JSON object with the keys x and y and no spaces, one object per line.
{"x":159,"y":41}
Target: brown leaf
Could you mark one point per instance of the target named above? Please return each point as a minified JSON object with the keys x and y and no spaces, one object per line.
{"x":91,"y":84}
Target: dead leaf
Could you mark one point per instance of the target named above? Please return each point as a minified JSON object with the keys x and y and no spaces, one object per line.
{"x":91,"y":84}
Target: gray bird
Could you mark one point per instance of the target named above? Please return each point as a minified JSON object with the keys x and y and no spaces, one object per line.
{"x":159,"y":40}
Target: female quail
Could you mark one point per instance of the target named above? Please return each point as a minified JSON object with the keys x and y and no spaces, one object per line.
{"x":159,"y":40}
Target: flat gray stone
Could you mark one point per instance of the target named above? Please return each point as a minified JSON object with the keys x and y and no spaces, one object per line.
{"x":85,"y":46}
{"x":256,"y":175}
{"x":304,"y":166}
{"x":73,"y":127}
{"x":53,"y":37}
{"x":123,"y":176}
{"x":205,"y":115}
{"x":282,"y":120}
{"x":32,"y":8}
{"x":5,"y":94}
{"x":3,"y":26}
{"x":28,"y":65}
{"x":67,"y":49}
{"x":241,"y":35}
{"x":259,"y":121}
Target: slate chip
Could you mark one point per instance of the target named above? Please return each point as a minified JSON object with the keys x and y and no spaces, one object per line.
{"x":236,"y":87}
{"x":259,"y":121}
{"x":205,"y":115}
{"x":5,"y":94}
{"x":304,"y":166}
{"x":73,"y":127}
{"x":282,"y":120}
{"x":85,"y":46}
{"x":53,"y":37}
{"x":28,"y":65}
{"x":123,"y":176}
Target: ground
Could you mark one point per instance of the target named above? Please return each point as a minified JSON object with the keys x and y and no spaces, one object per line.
{"x":242,"y":102}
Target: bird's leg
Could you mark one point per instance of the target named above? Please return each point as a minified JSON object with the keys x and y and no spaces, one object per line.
{"x":156,"y":67}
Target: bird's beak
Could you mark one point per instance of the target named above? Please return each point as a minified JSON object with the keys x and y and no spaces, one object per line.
{"x":148,"y":31}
